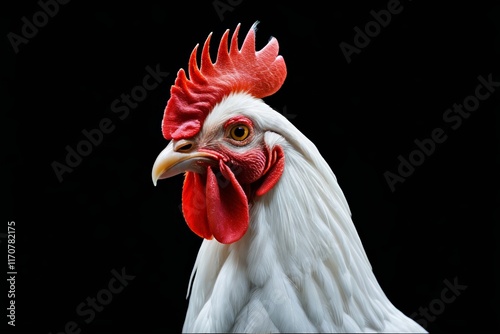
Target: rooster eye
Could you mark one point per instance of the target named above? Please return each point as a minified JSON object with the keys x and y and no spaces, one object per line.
{"x":239,"y":132}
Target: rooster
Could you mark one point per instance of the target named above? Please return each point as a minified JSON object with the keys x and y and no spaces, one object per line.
{"x":280,"y":251}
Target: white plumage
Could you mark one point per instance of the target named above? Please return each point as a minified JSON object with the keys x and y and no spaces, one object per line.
{"x":301,"y":266}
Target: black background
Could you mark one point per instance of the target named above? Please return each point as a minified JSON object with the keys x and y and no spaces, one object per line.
{"x":440,"y":224}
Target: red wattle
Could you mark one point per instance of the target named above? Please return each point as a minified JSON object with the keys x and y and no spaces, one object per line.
{"x":227,"y":206}
{"x":194,"y":205}
{"x":276,"y":165}
{"x":217,"y":206}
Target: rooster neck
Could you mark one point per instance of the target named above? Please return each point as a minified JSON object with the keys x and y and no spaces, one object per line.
{"x":300,"y":266}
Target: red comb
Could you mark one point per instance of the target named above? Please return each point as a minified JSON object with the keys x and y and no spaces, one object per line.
{"x":259,"y":73}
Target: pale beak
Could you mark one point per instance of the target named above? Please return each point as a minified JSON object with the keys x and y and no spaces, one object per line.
{"x":179,"y":157}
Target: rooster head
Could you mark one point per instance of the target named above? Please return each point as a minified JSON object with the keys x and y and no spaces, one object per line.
{"x":217,"y":123}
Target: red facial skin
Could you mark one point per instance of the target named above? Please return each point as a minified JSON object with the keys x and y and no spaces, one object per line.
{"x":217,"y":203}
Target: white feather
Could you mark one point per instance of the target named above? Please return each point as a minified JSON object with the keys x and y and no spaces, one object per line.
{"x":301,"y":266}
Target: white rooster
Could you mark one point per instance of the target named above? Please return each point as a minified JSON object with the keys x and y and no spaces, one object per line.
{"x":281,"y":253}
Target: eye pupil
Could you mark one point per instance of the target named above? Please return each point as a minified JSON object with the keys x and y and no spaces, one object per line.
{"x":239,"y":132}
